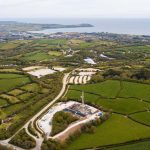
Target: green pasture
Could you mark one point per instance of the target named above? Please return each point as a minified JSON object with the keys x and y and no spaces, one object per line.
{"x":76,"y":95}
{"x":10,"y":75}
{"x":10,"y":70}
{"x":143,"y":117}
{"x":51,"y":41}
{"x":108,"y":89}
{"x":55,"y":53}
{"x":145,"y":49}
{"x":25,"y":96}
{"x":8,"y":46}
{"x":138,"y":146}
{"x":33,"y":87}
{"x":3,"y":102}
{"x":9,"y":84}
{"x":137,"y":90}
{"x":124,"y":98}
{"x":122,"y":105}
{"x":16,"y":92}
{"x":119,"y":105}
{"x":37,"y":56}
{"x":11,"y":99}
{"x":11,"y":109}
{"x":117,"y":129}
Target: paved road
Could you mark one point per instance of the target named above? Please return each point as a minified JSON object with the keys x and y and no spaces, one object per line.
{"x":40,"y":139}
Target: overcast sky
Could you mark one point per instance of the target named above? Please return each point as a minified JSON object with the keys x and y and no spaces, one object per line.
{"x":75,"y":8}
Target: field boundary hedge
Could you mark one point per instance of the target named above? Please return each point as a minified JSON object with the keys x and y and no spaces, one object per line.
{"x":119,"y":144}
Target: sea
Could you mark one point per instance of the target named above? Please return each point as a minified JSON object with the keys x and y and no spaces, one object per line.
{"x":113,"y":25}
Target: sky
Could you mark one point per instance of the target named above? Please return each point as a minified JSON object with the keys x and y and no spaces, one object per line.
{"x":74,"y":9}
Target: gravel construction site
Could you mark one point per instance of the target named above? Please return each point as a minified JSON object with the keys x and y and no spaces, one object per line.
{"x":85,"y":113}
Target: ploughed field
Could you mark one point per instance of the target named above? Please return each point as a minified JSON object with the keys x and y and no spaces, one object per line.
{"x":130,"y":120}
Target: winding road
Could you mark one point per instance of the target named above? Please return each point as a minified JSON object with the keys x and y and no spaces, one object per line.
{"x":40,"y":139}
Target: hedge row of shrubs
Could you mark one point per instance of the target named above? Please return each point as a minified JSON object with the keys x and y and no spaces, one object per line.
{"x":86,"y":128}
{"x":23,"y":140}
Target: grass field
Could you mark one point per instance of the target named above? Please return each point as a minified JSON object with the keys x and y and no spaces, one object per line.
{"x":143,"y":117}
{"x":3,"y":102}
{"x":124,"y":106}
{"x":117,"y":129}
{"x":25,"y":96}
{"x":8,"y":46}
{"x":55,"y":53}
{"x":33,"y":87}
{"x":11,"y":109}
{"x":10,"y":70}
{"x":37,"y":56}
{"x":119,"y":97}
{"x":51,"y":42}
{"x":10,"y":75}
{"x":11,"y":81}
{"x":16,"y":92}
{"x":11,"y":99}
{"x":138,"y":146}
{"x":135,"y":90}
{"x":108,"y":88}
{"x":73,"y":94}
{"x":120,"y":105}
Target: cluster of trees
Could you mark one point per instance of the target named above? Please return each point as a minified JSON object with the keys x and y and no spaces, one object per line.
{"x":61,"y":120}
{"x":138,"y":75}
{"x":5,"y":148}
{"x":112,"y":73}
{"x":52,"y":145}
{"x":143,"y":74}
{"x":91,"y":126}
{"x":23,"y":140}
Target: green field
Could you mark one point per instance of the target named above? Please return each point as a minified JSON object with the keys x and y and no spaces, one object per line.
{"x":34,"y":87}
{"x":51,"y":42}
{"x":10,"y":76}
{"x":108,"y":88}
{"x":11,"y":99}
{"x":138,"y":146}
{"x":37,"y":56}
{"x":135,"y":90}
{"x":15,"y":92}
{"x":55,"y":53}
{"x":3,"y":102}
{"x":143,"y":117}
{"x":11,"y":109}
{"x":117,"y":129}
{"x":8,"y":46}
{"x":25,"y":96}
{"x":113,"y":95}
{"x":10,"y":83}
{"x":73,"y":94}
{"x":120,"y":105}
{"x":122,"y":99}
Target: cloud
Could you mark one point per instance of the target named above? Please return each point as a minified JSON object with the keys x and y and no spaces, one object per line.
{"x":74,"y":8}
{"x":11,"y":3}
